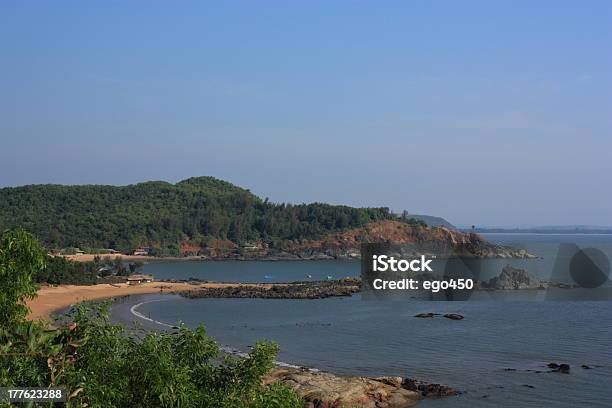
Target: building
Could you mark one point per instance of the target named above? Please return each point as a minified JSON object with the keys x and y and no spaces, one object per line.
{"x":138,"y":279}
{"x":250,"y":246}
{"x":142,"y":251}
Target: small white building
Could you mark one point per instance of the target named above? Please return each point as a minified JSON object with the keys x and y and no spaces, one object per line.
{"x":138,"y":279}
{"x":144,"y":251}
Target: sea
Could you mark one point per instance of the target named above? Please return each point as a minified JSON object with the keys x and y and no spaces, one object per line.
{"x":496,"y":356}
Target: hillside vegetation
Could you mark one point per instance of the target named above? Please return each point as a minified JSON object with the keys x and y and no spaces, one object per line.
{"x":163,"y":215}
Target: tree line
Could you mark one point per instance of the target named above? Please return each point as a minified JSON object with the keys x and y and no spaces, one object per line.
{"x":162,"y":215}
{"x":60,"y":270}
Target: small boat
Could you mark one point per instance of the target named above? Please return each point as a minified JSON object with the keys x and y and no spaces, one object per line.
{"x":329,"y":277}
{"x":309,"y":276}
{"x":268,"y":277}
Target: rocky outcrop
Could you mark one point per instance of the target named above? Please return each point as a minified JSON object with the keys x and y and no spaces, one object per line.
{"x":347,"y":244}
{"x":438,"y":240}
{"x":513,"y":278}
{"x":325,"y":390}
{"x":297,"y":290}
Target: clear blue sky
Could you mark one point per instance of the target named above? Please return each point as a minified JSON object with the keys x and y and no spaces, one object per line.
{"x":487,"y":113}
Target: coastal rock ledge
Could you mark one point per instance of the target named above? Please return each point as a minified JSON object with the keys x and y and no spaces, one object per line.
{"x":325,"y":390}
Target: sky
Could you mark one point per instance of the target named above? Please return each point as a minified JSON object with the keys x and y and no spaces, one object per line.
{"x":485,"y":113}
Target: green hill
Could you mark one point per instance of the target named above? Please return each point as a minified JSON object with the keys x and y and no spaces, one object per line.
{"x":162,"y":215}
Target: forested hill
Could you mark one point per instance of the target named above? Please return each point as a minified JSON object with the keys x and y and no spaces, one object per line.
{"x":162,"y":215}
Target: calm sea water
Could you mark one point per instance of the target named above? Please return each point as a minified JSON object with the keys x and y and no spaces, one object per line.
{"x":351,"y":336}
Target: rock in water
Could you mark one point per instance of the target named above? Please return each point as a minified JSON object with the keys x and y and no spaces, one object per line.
{"x":453,"y":316}
{"x":425,"y":315}
{"x":513,"y":278}
{"x":564,"y":368}
{"x":559,"y":368}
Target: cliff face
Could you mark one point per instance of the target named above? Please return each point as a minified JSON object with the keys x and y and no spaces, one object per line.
{"x":347,"y":244}
{"x":437,"y":240}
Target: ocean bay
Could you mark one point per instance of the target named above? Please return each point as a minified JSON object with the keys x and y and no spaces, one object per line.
{"x":493,"y":355}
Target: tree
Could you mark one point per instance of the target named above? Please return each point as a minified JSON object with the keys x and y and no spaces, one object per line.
{"x":20,"y":260}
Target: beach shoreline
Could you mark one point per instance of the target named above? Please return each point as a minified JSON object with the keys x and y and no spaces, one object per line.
{"x":51,"y":299}
{"x":395,"y":391}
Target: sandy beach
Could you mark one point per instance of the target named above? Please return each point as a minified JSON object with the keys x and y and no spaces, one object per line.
{"x":54,"y":298}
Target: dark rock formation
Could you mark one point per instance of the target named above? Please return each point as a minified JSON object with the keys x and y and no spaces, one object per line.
{"x":428,"y":389}
{"x":553,"y":368}
{"x":297,"y":290}
{"x":426,"y":315}
{"x":559,"y":368}
{"x":453,"y":316}
{"x":513,"y":278}
{"x":563,"y":368}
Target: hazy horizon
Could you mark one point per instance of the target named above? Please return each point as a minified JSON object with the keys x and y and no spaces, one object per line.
{"x":481,"y":113}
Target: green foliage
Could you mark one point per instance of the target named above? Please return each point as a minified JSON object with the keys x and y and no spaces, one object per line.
{"x":162,"y":215}
{"x":20,"y":259}
{"x":105,"y":365}
{"x":60,"y":270}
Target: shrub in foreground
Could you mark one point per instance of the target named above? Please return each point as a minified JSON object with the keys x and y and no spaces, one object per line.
{"x":106,"y":365}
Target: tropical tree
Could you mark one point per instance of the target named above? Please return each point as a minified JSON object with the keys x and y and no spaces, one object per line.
{"x":20,"y":260}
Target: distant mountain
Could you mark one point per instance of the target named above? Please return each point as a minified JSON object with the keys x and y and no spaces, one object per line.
{"x":432,"y":221}
{"x":551,"y":229}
